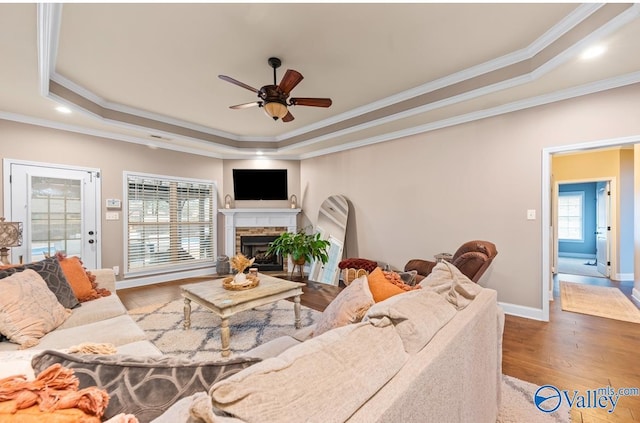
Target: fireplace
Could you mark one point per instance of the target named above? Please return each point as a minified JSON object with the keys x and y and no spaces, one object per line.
{"x":256,"y":246}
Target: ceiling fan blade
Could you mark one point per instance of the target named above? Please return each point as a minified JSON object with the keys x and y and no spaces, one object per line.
{"x":315,"y":102}
{"x":290,"y":79}
{"x":238,"y":83}
{"x":245,"y":105}
{"x":288,"y":117}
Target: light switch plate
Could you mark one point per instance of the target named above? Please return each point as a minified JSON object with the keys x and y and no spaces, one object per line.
{"x":112,"y":216}
{"x":531,"y":215}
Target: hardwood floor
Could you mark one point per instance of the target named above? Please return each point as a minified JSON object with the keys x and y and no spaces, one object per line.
{"x":577,"y":352}
{"x":572,"y":351}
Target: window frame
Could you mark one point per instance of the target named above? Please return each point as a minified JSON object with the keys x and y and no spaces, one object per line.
{"x":171,"y":266}
{"x":581,"y":195}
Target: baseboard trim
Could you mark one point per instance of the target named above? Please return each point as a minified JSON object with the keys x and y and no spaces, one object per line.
{"x":623,"y":277}
{"x":577,"y":255}
{"x":522,"y":311}
{"x":150,"y":280}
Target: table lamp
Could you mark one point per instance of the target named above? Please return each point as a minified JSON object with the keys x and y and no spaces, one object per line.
{"x":10,"y":236}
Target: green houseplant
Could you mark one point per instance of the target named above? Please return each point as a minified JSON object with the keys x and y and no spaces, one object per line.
{"x":302,"y":247}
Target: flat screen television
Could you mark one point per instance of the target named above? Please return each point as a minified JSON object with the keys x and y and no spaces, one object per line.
{"x":260,"y":184}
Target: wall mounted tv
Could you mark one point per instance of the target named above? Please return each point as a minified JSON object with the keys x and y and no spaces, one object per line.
{"x":260,"y":184}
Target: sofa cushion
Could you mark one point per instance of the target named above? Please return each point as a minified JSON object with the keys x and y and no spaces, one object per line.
{"x":53,"y":275}
{"x":404,"y":280}
{"x":417,"y":317}
{"x":76,"y":276}
{"x":324,"y":379}
{"x":94,"y":311}
{"x":143,"y":386}
{"x":28,"y":309}
{"x":349,"y":306}
{"x":385,"y":284}
{"x":408,"y":277}
{"x":380,"y":287}
{"x":117,"y":330}
{"x":452,"y":284}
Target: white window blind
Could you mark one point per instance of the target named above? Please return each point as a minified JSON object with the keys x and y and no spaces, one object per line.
{"x":170,"y":223}
{"x":570,"y":216}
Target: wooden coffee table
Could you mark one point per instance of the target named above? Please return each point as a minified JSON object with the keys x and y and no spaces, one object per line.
{"x":225,"y":303}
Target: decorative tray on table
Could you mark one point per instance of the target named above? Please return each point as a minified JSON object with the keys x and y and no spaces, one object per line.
{"x":232,"y":285}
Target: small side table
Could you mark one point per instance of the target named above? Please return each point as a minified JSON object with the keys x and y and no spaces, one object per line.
{"x":443,"y":257}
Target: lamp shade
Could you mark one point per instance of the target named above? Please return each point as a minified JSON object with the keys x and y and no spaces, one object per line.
{"x":275,"y":109}
{"x":10,"y":233}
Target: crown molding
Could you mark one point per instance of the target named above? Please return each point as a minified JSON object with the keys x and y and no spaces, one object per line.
{"x":566,"y":94}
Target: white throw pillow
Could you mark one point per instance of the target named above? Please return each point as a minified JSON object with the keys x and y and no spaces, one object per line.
{"x":28,"y":309}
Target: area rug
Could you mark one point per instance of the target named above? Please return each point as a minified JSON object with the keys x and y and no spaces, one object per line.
{"x":163,"y":324}
{"x":517,"y":404}
{"x":602,"y":301}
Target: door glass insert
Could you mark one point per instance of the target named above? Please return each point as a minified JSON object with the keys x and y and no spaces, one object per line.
{"x":56,"y":216}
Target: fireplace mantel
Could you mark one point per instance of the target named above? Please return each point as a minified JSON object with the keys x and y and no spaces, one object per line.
{"x":255,"y":217}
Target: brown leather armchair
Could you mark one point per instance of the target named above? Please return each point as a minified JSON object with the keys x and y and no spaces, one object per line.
{"x":472,"y":258}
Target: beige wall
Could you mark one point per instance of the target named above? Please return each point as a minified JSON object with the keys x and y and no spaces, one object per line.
{"x":613,"y":163}
{"x":38,"y":144}
{"x":429,"y":193}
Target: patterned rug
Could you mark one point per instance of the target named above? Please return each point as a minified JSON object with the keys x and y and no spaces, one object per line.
{"x":517,"y":404}
{"x":163,"y":324}
{"x":602,"y":301}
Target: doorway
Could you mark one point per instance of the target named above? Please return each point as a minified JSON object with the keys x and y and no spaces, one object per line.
{"x":582,"y":223}
{"x":549,"y":251}
{"x":59,"y":208}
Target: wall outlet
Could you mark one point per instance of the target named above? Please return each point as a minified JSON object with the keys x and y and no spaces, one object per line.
{"x":116,"y":270}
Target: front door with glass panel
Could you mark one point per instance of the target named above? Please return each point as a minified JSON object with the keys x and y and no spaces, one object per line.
{"x":59,"y":210}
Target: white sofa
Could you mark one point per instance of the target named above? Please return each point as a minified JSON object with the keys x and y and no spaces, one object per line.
{"x":104,"y":320}
{"x":361,"y":372}
{"x":366,"y":373}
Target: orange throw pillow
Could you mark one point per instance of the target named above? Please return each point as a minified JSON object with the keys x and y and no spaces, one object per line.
{"x":381,"y":288}
{"x":77,"y":277}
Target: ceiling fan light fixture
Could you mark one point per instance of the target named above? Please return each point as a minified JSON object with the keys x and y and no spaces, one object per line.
{"x":275,"y":109}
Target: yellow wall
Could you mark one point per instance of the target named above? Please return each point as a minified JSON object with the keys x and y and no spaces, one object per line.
{"x":615,"y":164}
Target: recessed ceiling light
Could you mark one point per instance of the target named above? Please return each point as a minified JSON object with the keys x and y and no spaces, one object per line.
{"x":259,"y":153}
{"x":593,"y":52}
{"x":63,"y":109}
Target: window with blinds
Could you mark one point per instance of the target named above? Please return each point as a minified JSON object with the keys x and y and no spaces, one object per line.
{"x":570,"y":216}
{"x":170,"y":223}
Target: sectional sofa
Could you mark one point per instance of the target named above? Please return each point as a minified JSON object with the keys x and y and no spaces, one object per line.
{"x":428,"y":355}
{"x":103,"y":320}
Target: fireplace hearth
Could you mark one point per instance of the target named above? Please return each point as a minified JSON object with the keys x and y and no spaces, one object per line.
{"x":256,"y":246}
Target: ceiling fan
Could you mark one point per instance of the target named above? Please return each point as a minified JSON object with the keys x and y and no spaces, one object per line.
{"x":273,"y":98}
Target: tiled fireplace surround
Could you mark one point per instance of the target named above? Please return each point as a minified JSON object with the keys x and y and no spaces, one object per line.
{"x":256,"y":222}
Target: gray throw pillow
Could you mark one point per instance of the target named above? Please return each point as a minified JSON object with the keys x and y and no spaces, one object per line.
{"x":143,"y":386}
{"x":409,"y":277}
{"x":51,"y":271}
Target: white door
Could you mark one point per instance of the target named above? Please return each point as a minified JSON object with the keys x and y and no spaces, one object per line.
{"x":603,"y":227}
{"x":59,"y":208}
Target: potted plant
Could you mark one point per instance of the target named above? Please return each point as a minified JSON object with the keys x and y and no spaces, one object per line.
{"x":302,"y":247}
